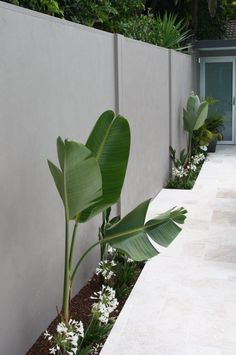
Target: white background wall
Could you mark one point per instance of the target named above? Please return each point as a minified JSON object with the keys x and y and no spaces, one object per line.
{"x":56,"y":77}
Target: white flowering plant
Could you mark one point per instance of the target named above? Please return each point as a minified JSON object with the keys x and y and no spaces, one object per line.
{"x":106,"y":269}
{"x":67,"y":339}
{"x":101,"y":321}
{"x":97,"y":348}
{"x":116,"y":269}
{"x":105,"y":304}
{"x":73,"y":339}
{"x":185,"y":170}
{"x":203,"y":148}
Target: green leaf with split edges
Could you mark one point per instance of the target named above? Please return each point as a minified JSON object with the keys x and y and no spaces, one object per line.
{"x":131,"y":234}
{"x":109,"y":142}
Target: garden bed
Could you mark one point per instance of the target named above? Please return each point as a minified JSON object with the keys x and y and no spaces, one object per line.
{"x":185,"y":182}
{"x":81,"y":306}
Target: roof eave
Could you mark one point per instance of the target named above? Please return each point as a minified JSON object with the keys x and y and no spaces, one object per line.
{"x":219,"y":44}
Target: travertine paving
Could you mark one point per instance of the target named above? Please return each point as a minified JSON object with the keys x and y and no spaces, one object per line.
{"x":184,"y":302}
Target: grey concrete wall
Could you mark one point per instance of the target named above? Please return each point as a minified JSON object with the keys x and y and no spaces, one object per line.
{"x":145,"y":100}
{"x":182,"y":71}
{"x":56,"y":78}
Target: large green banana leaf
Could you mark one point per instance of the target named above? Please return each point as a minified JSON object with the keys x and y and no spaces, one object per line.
{"x":194,"y":119}
{"x":79,"y":182}
{"x":109,"y":142}
{"x":193,"y":103}
{"x":131,"y":234}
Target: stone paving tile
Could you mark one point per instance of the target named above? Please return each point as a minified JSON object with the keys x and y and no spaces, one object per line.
{"x":226,"y":193}
{"x":184,"y":302}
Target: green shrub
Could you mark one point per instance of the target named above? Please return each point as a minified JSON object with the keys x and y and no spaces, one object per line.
{"x":165,"y":32}
{"x":50,"y":7}
{"x":127,"y":17}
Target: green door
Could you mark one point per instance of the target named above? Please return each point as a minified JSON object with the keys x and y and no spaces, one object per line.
{"x":217,"y":81}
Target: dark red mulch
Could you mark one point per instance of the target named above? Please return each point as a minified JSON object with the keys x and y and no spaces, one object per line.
{"x":80,"y":310}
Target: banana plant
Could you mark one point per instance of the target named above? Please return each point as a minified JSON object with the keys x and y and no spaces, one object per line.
{"x":194,"y":117}
{"x":89,"y":180}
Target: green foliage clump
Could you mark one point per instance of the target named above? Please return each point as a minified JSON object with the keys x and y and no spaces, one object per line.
{"x":194,"y":118}
{"x":186,"y":183}
{"x":89,"y":180}
{"x":202,"y":126}
{"x":102,"y":14}
{"x":164,"y":31}
{"x":128,"y":17}
{"x":202,"y":137}
{"x":211,"y":128}
{"x":50,"y":7}
{"x":185,"y":170}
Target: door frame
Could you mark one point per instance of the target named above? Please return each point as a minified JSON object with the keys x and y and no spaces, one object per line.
{"x":202,"y":86}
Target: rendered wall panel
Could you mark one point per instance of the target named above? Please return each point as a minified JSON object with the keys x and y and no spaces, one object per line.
{"x":145,"y":100}
{"x":55,"y":79}
{"x":182,"y":83}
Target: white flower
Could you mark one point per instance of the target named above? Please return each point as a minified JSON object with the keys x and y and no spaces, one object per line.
{"x":111,"y":250}
{"x":203,"y":147}
{"x":106,"y":304}
{"x":80,"y":329}
{"x":105,"y":268}
{"x":96,"y":348}
{"x":103,"y":319}
{"x":68,"y":340}
{"x":198,"y":158}
{"x":62,"y":328}
{"x":129,"y":260}
{"x":77,"y":326}
{"x":178,"y":172}
{"x":193,"y":167}
{"x":47,"y":335}
{"x":74,"y":340}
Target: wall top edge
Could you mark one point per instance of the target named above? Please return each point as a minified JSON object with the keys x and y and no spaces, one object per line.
{"x":146,"y":44}
{"x":128,"y":39}
{"x":45,"y":17}
{"x":178,"y":53}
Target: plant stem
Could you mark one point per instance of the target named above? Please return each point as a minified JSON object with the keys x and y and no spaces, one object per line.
{"x":72,"y":246}
{"x":102,"y":233}
{"x":86,"y":332}
{"x":190,"y":147}
{"x":66,"y":291}
{"x":90,"y":249}
{"x":82,"y":258}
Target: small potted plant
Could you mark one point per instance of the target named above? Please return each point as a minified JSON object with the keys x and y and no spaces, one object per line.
{"x":214,"y":123}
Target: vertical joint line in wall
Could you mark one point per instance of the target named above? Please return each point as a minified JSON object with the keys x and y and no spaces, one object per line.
{"x":170,"y":101}
{"x":118,"y":86}
{"x":118,"y":72}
